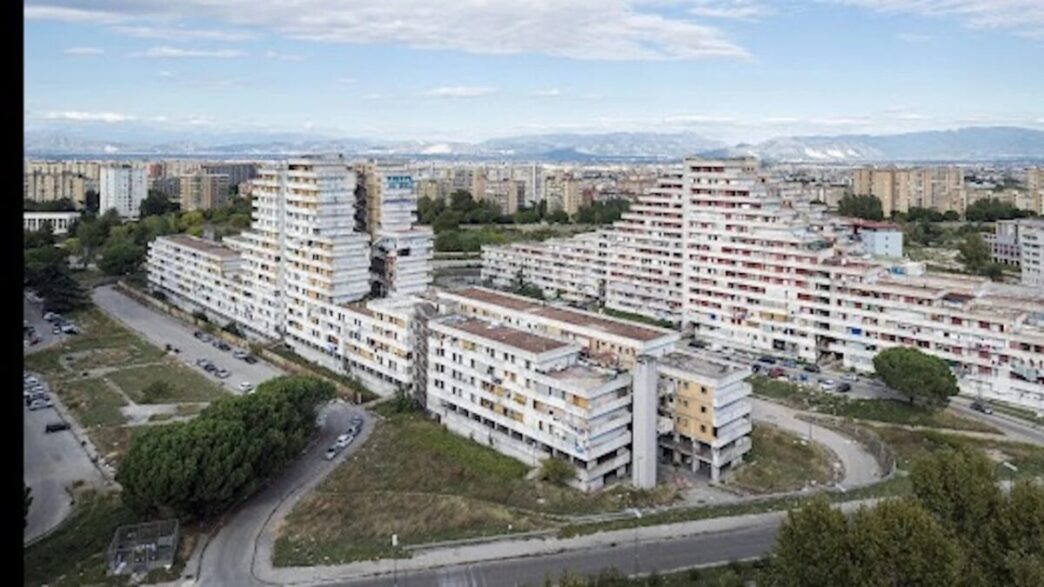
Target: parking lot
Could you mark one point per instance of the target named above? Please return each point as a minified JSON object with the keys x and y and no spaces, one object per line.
{"x":161,"y":330}
{"x":53,"y":462}
{"x":32,"y":313}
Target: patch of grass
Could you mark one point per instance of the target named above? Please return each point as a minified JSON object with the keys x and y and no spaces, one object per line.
{"x":181,"y":384}
{"x":113,"y":442}
{"x":424,"y":483}
{"x":878,"y":410}
{"x":102,"y":342}
{"x":782,"y":461}
{"x":75,"y":554}
{"x":911,"y":444}
{"x":1017,"y":412}
{"x":93,"y":402}
{"x":638,"y":318}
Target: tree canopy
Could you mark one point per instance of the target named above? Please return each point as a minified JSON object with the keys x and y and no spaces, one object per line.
{"x":121,"y":258}
{"x":916,"y":374}
{"x":993,"y":209}
{"x":156,"y":204}
{"x":865,"y":207}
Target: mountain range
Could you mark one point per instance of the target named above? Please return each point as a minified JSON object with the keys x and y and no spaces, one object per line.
{"x":960,"y":145}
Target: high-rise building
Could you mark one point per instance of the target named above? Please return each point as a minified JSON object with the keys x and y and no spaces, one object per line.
{"x":202,"y":191}
{"x":935,"y":188}
{"x":1031,"y":251}
{"x":1035,"y":188}
{"x":123,"y":187}
{"x":744,"y":262}
{"x":237,"y":172}
{"x":563,"y":192}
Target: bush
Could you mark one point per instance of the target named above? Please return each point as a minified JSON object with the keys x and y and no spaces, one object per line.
{"x":233,"y":329}
{"x":557,"y":471}
{"x":201,"y":316}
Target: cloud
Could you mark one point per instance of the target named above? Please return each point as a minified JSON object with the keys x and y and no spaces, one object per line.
{"x":460,"y":91}
{"x":65,"y":14}
{"x":180,"y":34}
{"x":1023,"y":17}
{"x":731,"y":9}
{"x":77,"y":116}
{"x":575,"y":29}
{"x":697,"y":120}
{"x":548,"y":93}
{"x":173,"y":52}
{"x":283,"y":56}
{"x":84,"y":51}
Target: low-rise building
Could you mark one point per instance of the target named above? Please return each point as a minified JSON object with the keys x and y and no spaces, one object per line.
{"x":196,"y":274}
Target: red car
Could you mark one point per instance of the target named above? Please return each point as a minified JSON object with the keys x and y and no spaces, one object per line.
{"x":776,"y":372}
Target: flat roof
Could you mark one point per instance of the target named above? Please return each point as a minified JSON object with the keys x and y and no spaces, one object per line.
{"x":701,"y":364}
{"x":202,"y":245}
{"x":583,"y":376}
{"x":519,"y":339}
{"x":621,"y":328}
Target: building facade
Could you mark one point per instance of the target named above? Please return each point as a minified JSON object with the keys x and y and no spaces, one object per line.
{"x":202,"y":191}
{"x":59,"y":221}
{"x":122,"y":188}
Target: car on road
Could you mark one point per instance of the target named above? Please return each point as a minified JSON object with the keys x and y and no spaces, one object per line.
{"x":850,"y":377}
{"x":70,"y":329}
{"x":344,"y":440}
{"x":221,"y":345}
{"x":844,"y":387}
{"x":40,"y":404}
{"x":776,"y":372}
{"x":250,"y":359}
{"x":199,"y":334}
{"x":356,"y":421}
{"x":811,"y":368}
{"x":981,"y":407}
{"x":239,"y":353}
{"x":222,"y":373}
{"x":789,"y":363}
{"x":201,"y":362}
{"x":331,"y":453}
{"x":767,"y":360}
{"x":51,"y":316}
{"x":30,"y":379}
{"x":246,"y":386}
{"x":826,"y":384}
{"x":56,"y":427}
{"x":210,"y":368}
{"x":698,"y":344}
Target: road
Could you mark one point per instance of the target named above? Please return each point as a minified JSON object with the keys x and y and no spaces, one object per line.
{"x":1012,"y":427}
{"x":229,"y":557}
{"x":53,"y":462}
{"x":33,"y":314}
{"x":161,"y":329}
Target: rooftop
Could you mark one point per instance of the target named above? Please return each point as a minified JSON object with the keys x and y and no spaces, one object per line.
{"x":621,"y":328}
{"x":584,"y":376}
{"x":701,"y":364}
{"x":202,"y":245}
{"x":504,"y":335}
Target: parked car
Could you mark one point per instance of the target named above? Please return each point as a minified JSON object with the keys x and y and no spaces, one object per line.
{"x":56,"y":427}
{"x":201,"y":362}
{"x":210,"y":368}
{"x":789,"y":363}
{"x":199,"y":334}
{"x":331,"y":453}
{"x":826,"y":384}
{"x":50,"y":316}
{"x":767,"y":360}
{"x":344,"y":440}
{"x":357,"y":421}
{"x":981,"y":407}
{"x":30,"y":379}
{"x":70,"y":329}
{"x":56,"y":330}
{"x":40,"y":404}
{"x":755,"y":368}
{"x":776,"y":372}
{"x":812,"y":368}
{"x":849,"y":377}
{"x":844,"y":387}
{"x":698,"y":344}
{"x":239,"y":353}
{"x":221,"y":345}
{"x":37,"y":397}
{"x":222,"y":373}
{"x":246,"y":386}
{"x":250,"y":359}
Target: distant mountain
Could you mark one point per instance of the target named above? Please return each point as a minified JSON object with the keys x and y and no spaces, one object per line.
{"x":966,"y":144}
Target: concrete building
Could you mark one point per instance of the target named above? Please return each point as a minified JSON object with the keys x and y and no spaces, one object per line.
{"x":237,"y":172}
{"x":1035,"y":188}
{"x":879,"y":239}
{"x":563,"y":192}
{"x":198,"y":275}
{"x":123,"y":187}
{"x":1004,"y":242}
{"x":202,"y":191}
{"x":59,"y":221}
{"x":46,"y":186}
{"x":1031,"y":251}
{"x":935,"y":188}
{"x":722,"y":249}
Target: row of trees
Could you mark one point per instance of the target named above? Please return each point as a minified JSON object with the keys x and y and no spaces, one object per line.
{"x":992,"y":209}
{"x":463,"y":209}
{"x":200,"y":468}
{"x":986,"y":210}
{"x":958,"y":529}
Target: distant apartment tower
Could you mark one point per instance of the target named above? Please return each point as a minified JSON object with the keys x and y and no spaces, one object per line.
{"x":1004,"y":242}
{"x":123,"y":187}
{"x":202,"y":191}
{"x":237,"y":172}
{"x":1035,"y":188}
{"x":936,"y":188}
{"x":1031,"y":251}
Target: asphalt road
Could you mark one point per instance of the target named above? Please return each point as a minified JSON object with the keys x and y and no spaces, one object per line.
{"x":33,"y":313}
{"x":161,"y":329}
{"x":660,"y":556}
{"x":1013,"y":427}
{"x":52,"y":463}
{"x":229,"y":557}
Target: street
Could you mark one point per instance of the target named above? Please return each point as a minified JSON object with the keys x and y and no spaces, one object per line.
{"x":32,"y":313}
{"x":53,"y":462}
{"x":161,"y":329}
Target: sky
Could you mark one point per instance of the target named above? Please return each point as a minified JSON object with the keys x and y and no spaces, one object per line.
{"x":469,"y":70}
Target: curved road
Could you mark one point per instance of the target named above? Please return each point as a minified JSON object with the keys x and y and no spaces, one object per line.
{"x":229,"y":557}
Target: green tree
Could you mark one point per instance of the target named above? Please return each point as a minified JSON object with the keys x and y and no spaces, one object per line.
{"x":27,"y":501}
{"x":811,"y":548}
{"x":92,"y":202}
{"x":92,"y":233}
{"x":558,"y":217}
{"x":428,"y":209}
{"x":916,"y":375}
{"x":447,"y":220}
{"x":43,"y":259}
{"x":121,"y":258}
{"x":157,"y":204}
{"x":975,"y":254}
{"x":557,"y":471}
{"x":899,"y":543}
{"x":60,"y":292}
{"x":991,"y":210}
{"x":865,"y":207}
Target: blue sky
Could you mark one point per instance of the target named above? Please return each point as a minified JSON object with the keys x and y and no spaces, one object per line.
{"x":735,"y":70}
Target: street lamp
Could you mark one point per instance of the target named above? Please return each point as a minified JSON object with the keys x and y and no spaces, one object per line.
{"x":637,"y":516}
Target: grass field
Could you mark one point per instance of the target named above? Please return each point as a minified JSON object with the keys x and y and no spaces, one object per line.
{"x":781,"y":461}
{"x":878,"y":410}
{"x":103,"y":342}
{"x":93,"y":402}
{"x":424,"y":483}
{"x":910,"y":444}
{"x":182,"y":384}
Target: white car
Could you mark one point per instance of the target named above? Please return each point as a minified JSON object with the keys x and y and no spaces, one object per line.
{"x":344,"y":440}
{"x":39,"y":404}
{"x":331,"y":453}
{"x":826,"y":384}
{"x":246,"y":387}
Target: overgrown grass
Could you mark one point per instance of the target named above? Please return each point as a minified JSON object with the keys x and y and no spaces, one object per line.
{"x":638,"y":318}
{"x":424,"y":483}
{"x":911,"y":444}
{"x":182,"y":384}
{"x":365,"y":393}
{"x":781,"y":461}
{"x":102,"y":342}
{"x":93,"y":402}
{"x":878,"y":410}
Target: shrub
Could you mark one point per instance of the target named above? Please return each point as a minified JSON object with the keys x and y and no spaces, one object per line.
{"x":557,"y":471}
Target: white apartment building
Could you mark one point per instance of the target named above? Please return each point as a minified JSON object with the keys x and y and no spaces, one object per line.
{"x":198,"y":275}
{"x":122,"y":187}
{"x":59,"y":221}
{"x":1031,"y":251}
{"x":529,"y":396}
{"x":725,"y":251}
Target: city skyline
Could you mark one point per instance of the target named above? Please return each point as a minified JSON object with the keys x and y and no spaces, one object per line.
{"x":729,"y":70}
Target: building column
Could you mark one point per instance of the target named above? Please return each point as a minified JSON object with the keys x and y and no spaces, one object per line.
{"x":643,"y":428}
{"x":715,"y":473}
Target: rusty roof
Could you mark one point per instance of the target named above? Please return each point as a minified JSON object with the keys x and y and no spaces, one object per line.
{"x":512,"y":337}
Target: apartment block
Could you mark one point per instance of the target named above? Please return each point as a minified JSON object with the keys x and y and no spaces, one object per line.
{"x":1004,"y":242}
{"x":936,"y":188}
{"x":237,"y":172}
{"x":198,"y":275}
{"x":202,"y":191}
{"x":122,"y":188}
{"x":743,"y":261}
{"x":1031,"y":251}
{"x":43,"y":186}
{"x":59,"y":221}
{"x":563,"y":192}
{"x":1035,"y":188}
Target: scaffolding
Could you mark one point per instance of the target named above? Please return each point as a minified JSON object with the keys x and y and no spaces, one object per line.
{"x":140,"y":548}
